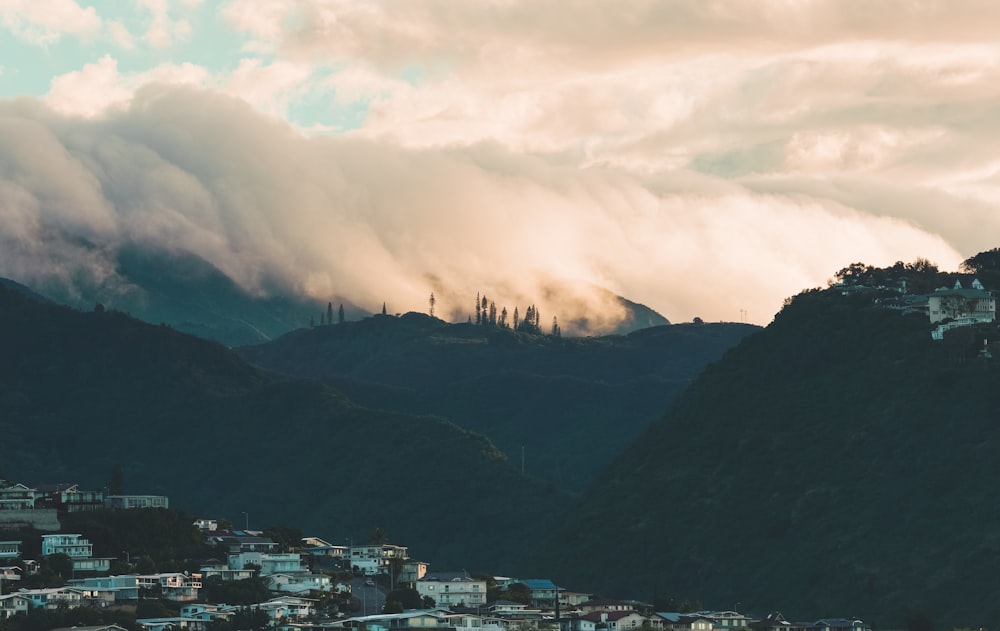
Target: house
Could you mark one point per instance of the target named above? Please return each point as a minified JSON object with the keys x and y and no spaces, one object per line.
{"x":13,"y":604}
{"x":573,"y":599}
{"x":411,"y":572}
{"x":415,"y":619}
{"x":544,"y":592}
{"x":611,"y":621}
{"x":376,"y":558}
{"x":103,"y":627}
{"x":222,"y":570}
{"x":286,"y":607}
{"x":206,"y":525}
{"x":604,"y":604}
{"x":242,"y":541}
{"x":725,"y":619}
{"x":207,"y":612}
{"x":10,"y":573}
{"x":961,"y":302}
{"x":79,"y":550}
{"x":268,"y":563}
{"x":175,"y":586}
{"x":671,"y":621}
{"x":108,"y":589}
{"x":840,"y":624}
{"x":125,"y":502}
{"x":300,"y":583}
{"x":171,"y":624}
{"x":16,"y":496}
{"x":10,"y":549}
{"x":53,"y":597}
{"x":452,"y":588}
{"x":68,"y":498}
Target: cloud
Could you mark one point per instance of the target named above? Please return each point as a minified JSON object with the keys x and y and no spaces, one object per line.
{"x":185,"y":168}
{"x":44,"y":22}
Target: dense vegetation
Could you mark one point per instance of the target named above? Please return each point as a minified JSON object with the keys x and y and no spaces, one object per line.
{"x":838,"y":463}
{"x":571,"y":404}
{"x":82,"y":392}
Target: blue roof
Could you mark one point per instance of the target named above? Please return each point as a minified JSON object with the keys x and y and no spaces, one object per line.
{"x":539,"y":583}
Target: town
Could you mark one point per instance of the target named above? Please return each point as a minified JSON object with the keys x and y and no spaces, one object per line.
{"x":307,"y":584}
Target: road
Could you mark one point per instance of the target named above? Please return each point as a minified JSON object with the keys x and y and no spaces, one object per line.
{"x":371,"y":597}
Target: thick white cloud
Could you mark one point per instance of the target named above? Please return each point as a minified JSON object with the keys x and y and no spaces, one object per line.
{"x":702,"y":157}
{"x":46,"y":21}
{"x":276,"y":210}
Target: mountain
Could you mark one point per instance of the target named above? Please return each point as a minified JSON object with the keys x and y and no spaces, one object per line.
{"x":185,"y":291}
{"x":82,"y":392}
{"x":838,"y":463}
{"x":563,"y":407}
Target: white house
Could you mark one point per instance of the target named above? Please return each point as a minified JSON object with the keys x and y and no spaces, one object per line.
{"x":452,"y":588}
{"x":53,"y":597}
{"x":376,"y":558}
{"x":124,"y":502}
{"x":10,"y":549}
{"x":13,"y":604}
{"x":276,"y":563}
{"x":79,"y":550}
{"x":300,"y":583}
{"x":959,"y":303}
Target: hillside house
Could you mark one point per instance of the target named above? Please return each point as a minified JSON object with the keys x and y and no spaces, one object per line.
{"x":175,"y":586}
{"x":68,"y":498}
{"x":108,"y":589}
{"x":13,"y":604}
{"x":376,"y":558}
{"x":300,"y":583}
{"x":544,"y":592}
{"x":53,"y":597}
{"x":452,"y":588}
{"x":10,"y":549}
{"x":672,"y":621}
{"x":725,"y":619}
{"x":277,"y":563}
{"x":612,"y":621}
{"x":126,"y":502}
{"x":959,"y":302}
{"x":79,"y":550}
{"x":411,"y":572}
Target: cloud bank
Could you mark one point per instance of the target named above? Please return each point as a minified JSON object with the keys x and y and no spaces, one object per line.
{"x":704,"y":158}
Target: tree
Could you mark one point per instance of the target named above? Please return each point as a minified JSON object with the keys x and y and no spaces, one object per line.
{"x":379,"y":536}
{"x":493,"y":314}
{"x":479,"y":310}
{"x":556,"y":331}
{"x":329,"y":313}
{"x":340,"y":314}
{"x":517,"y":319}
{"x":116,"y":485}
{"x":519,"y":593}
{"x":408,"y":598}
{"x":383,"y":308}
{"x":984,"y":261}
{"x":502,"y":321}
{"x":284,"y":536}
{"x":432,"y":301}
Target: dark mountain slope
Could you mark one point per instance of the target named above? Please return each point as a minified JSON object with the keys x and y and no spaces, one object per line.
{"x":567,"y":404}
{"x":837,"y":463}
{"x":80,"y":392}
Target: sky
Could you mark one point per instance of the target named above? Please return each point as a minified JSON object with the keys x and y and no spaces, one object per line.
{"x":707,"y":158}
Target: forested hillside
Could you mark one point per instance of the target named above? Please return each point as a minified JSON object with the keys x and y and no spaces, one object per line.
{"x":82,"y":392}
{"x":838,"y":463}
{"x":567,"y":405}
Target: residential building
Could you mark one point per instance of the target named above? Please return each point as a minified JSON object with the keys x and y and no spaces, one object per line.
{"x":268,"y":563}
{"x":376,"y":558}
{"x":300,"y":583}
{"x":544,"y":592}
{"x":452,"y":588}
{"x":411,"y":572}
{"x":108,"y":589}
{"x":959,"y":302}
{"x":74,"y":546}
{"x":175,"y":586}
{"x":207,"y":525}
{"x":124,"y":502}
{"x":68,"y":498}
{"x":16,"y":496}
{"x":13,"y":604}
{"x":53,"y":597}
{"x":10,"y":549}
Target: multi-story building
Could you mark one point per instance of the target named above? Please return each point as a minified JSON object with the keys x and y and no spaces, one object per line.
{"x":452,"y":588}
{"x":79,"y":550}
{"x":124,"y":502}
{"x":376,"y":558}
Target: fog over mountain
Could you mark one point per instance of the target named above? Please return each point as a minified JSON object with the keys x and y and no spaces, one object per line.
{"x":190,"y":170}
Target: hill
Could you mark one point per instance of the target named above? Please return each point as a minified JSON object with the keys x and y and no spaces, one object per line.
{"x":838,"y":463}
{"x":562,"y":406}
{"x":190,"y":294}
{"x":81,"y":392}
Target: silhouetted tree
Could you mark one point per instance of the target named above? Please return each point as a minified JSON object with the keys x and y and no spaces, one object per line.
{"x":517,"y":319}
{"x":493,"y":314}
{"x":340,"y":314}
{"x":383,"y":308}
{"x":432,"y":301}
{"x":556,"y":331}
{"x":479,"y":310}
{"x":329,"y":313}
